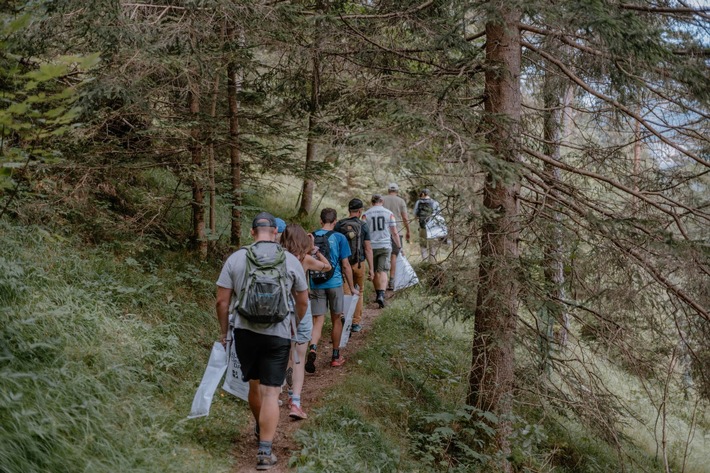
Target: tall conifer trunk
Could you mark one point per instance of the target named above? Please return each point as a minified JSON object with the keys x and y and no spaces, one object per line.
{"x":198,"y":191}
{"x":492,"y":365}
{"x":556,"y":99}
{"x":308,"y":183}
{"x":235,"y":158}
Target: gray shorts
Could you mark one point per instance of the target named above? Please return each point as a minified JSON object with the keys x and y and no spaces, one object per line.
{"x":322,"y":299}
{"x":381,"y":259}
{"x":305,"y":328}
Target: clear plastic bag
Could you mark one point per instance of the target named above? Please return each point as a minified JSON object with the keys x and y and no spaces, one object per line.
{"x":216,"y":366}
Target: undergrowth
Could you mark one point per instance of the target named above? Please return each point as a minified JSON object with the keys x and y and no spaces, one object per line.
{"x":100,"y":356}
{"x":403,"y":409}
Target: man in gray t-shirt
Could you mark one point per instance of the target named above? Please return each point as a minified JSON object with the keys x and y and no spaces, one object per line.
{"x":262,"y":349}
{"x":395,"y":204}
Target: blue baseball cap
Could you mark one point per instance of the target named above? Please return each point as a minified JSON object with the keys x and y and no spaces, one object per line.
{"x":280,"y":225}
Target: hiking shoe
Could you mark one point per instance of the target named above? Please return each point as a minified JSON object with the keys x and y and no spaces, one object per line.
{"x":335,"y":362}
{"x":355,"y":327}
{"x":311,"y":362}
{"x":380,"y":301}
{"x":390,"y":285}
{"x":265,"y":461}
{"x":289,"y":377}
{"x":297,"y":413}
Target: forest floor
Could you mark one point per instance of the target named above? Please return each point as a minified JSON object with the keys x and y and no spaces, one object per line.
{"x":314,"y":388}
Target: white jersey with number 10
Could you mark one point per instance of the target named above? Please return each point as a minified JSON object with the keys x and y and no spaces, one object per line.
{"x":379,"y":219}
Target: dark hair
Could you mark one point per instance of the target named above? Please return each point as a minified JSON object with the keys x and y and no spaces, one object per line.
{"x":328,"y":215}
{"x":295,"y":240}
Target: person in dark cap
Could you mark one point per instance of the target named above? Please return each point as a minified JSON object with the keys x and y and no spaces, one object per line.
{"x":426,"y":209}
{"x":262,"y":348}
{"x":383,"y":232}
{"x":397,"y":205}
{"x":357,"y":232}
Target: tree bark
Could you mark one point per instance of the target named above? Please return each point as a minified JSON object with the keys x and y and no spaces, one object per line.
{"x":211,"y":164}
{"x":492,"y":365}
{"x":199,"y":239}
{"x":235,"y":158}
{"x":556,"y":99}
{"x":309,"y":184}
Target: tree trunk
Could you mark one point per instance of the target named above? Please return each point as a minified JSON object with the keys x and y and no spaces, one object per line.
{"x":308,"y":183}
{"x":492,"y":365}
{"x":198,"y":192}
{"x":211,"y":164}
{"x":552,"y":311}
{"x":233,"y":84}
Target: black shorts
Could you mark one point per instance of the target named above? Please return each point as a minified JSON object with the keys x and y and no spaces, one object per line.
{"x":263,"y":357}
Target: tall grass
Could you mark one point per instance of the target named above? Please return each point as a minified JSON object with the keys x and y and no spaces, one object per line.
{"x":99,"y":358}
{"x":403,"y":410}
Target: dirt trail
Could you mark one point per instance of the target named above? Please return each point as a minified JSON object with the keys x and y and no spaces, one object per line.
{"x":315,"y":386}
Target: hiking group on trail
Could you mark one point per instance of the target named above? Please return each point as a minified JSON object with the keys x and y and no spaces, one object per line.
{"x":274,"y":294}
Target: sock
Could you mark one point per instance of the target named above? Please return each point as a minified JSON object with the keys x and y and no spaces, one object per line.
{"x":380,"y":293}
{"x":314,"y":347}
{"x":265,"y":447}
{"x":296,"y":400}
{"x":336,"y":354}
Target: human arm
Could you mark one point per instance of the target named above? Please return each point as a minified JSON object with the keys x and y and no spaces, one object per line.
{"x":367,"y":244}
{"x":317,"y":263}
{"x":301,"y":299}
{"x":405,"y":222}
{"x":224,"y":296}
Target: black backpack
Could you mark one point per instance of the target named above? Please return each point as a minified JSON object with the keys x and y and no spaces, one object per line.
{"x":425,"y":209}
{"x":264,"y":297}
{"x":321,"y":241}
{"x":352,"y":229}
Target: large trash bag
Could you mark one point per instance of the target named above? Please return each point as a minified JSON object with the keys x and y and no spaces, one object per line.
{"x":404,"y":276}
{"x":349,"y":305}
{"x":216,"y":366}
{"x":436,"y":228}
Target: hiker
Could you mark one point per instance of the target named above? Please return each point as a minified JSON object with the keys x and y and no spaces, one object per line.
{"x":395,"y":204}
{"x":299,"y":243}
{"x":357,"y":232}
{"x":262,"y":348}
{"x":383,"y":232}
{"x":427,"y":210}
{"x":327,"y":287}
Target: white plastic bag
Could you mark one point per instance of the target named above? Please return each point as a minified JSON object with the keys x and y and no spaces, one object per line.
{"x":216,"y":366}
{"x":233,"y":383}
{"x":436,"y":228}
{"x":349,"y":306}
{"x":404,"y":276}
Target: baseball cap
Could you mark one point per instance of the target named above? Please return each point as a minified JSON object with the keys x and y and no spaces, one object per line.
{"x":355,"y":204}
{"x":280,"y":225}
{"x":393,"y":186}
{"x":376,"y":198}
{"x":425,"y":191}
{"x":263,"y":219}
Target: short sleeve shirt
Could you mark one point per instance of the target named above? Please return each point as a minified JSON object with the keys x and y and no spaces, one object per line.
{"x":380,"y":221}
{"x":398,"y":207}
{"x":339,"y":249}
{"x":365,"y":231}
{"x":233,"y":276}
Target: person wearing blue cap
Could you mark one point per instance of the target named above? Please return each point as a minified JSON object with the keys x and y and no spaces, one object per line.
{"x":280,"y":227}
{"x":262,"y":347}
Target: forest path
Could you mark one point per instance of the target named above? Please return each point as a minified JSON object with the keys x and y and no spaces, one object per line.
{"x":314,"y":388}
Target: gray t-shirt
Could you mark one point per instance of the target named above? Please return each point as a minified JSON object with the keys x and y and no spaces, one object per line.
{"x":398,"y":207}
{"x":233,"y":276}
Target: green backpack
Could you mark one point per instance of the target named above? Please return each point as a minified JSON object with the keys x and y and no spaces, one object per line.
{"x":264,"y":296}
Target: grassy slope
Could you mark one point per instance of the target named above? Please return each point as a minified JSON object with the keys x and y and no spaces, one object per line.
{"x":102,"y":348}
